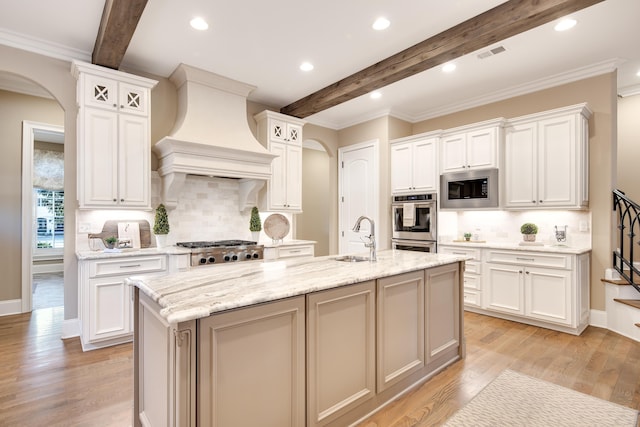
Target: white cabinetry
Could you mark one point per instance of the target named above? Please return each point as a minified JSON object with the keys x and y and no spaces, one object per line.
{"x":282,"y":135}
{"x":414,"y":163}
{"x":289,"y":250}
{"x":472,"y":273}
{"x":546,"y":159}
{"x":550,"y":290}
{"x":475,"y":146}
{"x":114,"y":148}
{"x":105,"y":308}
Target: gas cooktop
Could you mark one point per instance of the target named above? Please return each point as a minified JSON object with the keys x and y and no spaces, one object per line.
{"x":216,"y":244}
{"x":223,"y":251}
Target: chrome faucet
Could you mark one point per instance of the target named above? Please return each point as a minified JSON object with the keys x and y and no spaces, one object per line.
{"x":372,"y":237}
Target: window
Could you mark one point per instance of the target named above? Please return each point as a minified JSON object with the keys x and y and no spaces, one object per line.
{"x":49,"y":214}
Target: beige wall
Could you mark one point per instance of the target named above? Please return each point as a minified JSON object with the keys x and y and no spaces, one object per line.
{"x":600,"y":93}
{"x":14,"y":108}
{"x":629,"y":147}
{"x":313,"y":223}
{"x":54,"y":75}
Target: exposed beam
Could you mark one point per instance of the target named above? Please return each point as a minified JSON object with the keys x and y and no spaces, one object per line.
{"x":506,"y":20}
{"x":119,"y":21}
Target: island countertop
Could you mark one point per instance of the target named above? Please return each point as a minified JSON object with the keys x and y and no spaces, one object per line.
{"x":203,"y":291}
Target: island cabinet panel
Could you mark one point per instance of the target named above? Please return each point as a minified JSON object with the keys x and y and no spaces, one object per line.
{"x":251,"y":366}
{"x":400,"y":327}
{"x":165,"y":374}
{"x":443,"y":302}
{"x":340,"y":350}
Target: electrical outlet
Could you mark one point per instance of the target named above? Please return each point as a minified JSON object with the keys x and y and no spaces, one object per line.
{"x":584,"y":226}
{"x":84,"y":227}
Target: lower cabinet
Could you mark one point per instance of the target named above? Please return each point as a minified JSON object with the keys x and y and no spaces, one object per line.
{"x":341,"y":357}
{"x":287,"y":250}
{"x":252,"y":366}
{"x":105,"y":308}
{"x":550,"y":290}
{"x":443,"y":316}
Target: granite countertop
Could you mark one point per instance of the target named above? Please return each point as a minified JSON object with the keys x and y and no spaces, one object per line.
{"x":285,"y":243}
{"x":206,"y":290}
{"x":125,"y":253}
{"x":556,"y":248}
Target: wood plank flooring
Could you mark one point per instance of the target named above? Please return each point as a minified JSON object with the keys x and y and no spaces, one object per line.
{"x":48,"y":381}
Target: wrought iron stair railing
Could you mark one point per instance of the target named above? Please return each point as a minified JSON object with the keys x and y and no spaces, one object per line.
{"x":629,"y":234}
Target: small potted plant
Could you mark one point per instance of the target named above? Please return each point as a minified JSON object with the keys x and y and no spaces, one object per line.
{"x":467,"y":236}
{"x":254,"y":224}
{"x":529,"y":231}
{"x":110,"y":242}
{"x":161,"y":226}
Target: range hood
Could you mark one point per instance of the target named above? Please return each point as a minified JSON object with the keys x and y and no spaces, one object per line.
{"x":211,"y":136}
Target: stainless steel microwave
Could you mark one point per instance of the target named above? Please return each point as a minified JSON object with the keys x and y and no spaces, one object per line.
{"x":473,"y":189}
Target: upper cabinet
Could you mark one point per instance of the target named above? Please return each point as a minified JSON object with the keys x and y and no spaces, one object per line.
{"x":414,"y":163}
{"x":474,"y":146}
{"x":114,"y":147}
{"x":547,"y":159}
{"x":282,"y":135}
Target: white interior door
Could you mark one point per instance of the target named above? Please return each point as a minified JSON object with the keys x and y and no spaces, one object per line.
{"x":358,"y":180}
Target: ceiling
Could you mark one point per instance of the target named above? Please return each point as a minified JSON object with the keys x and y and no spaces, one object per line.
{"x":264,"y":43}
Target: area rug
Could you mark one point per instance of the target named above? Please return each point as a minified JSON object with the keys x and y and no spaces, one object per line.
{"x":514,"y":399}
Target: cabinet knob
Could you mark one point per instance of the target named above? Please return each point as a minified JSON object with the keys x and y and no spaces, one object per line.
{"x":533,"y":201}
{"x":520,"y":271}
{"x":527,"y":272}
{"x":122,"y":200}
{"x":540,"y":201}
{"x":122,"y":106}
{"x":115,"y":200}
{"x":115,"y":105}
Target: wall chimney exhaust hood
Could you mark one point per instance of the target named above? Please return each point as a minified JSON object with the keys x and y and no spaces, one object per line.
{"x":211,"y":136}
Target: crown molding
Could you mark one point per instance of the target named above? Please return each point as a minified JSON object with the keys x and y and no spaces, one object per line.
{"x":42,"y":47}
{"x":629,"y":91}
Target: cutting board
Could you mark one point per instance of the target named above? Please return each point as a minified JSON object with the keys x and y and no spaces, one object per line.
{"x":110,"y":229}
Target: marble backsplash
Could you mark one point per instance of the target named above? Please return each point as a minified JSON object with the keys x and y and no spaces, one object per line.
{"x":208,"y":209}
{"x":504,"y":226}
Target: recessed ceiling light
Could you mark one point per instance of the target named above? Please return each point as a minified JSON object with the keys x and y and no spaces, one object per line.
{"x":448,"y":67}
{"x":306,"y":66}
{"x":199,"y":24}
{"x":381,"y":23}
{"x":565,"y":24}
{"x":375,"y":95}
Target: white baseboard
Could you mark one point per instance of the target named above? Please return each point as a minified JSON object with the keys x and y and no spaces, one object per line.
{"x":47,"y":268}
{"x":9,"y":307}
{"x":70,"y":328}
{"x":598,"y":318}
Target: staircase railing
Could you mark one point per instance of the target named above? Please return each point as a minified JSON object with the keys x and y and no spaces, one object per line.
{"x":629,"y":231}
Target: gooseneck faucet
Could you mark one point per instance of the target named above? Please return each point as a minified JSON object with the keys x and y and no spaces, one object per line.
{"x":372,"y":237}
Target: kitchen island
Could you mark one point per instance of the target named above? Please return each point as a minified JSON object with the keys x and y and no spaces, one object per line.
{"x":309,"y":341}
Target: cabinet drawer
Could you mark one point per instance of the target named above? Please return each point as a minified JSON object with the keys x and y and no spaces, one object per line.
{"x":128,"y":266}
{"x":473,"y":254}
{"x":530,"y":258}
{"x":472,"y":267}
{"x":295,"y":251}
{"x":471,"y":281}
{"x":472,"y":298}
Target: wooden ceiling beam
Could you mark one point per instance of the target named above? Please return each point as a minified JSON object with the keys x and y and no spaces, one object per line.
{"x":119,"y":21}
{"x":503,"y":21}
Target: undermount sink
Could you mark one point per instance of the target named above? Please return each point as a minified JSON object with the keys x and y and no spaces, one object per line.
{"x":351,"y":258}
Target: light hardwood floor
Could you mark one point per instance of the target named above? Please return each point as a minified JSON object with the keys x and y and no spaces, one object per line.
{"x":48,"y":381}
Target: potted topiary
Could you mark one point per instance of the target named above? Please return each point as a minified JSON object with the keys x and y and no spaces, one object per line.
{"x":467,"y":236}
{"x":254,"y":224}
{"x":529,"y":231}
{"x":161,"y":226}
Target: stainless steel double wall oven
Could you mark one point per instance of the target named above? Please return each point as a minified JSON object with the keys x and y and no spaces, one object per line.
{"x":414,"y":222}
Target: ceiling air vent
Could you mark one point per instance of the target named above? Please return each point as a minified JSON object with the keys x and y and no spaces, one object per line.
{"x":491,"y":52}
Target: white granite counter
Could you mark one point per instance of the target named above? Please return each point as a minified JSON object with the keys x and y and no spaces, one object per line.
{"x":562,"y":249}
{"x":169,"y":250}
{"x":206,"y":290}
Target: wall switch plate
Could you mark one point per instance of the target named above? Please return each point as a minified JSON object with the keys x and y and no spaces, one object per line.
{"x":584,"y":226}
{"x":84,"y":227}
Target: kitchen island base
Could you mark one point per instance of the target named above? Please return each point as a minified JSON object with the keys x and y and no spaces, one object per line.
{"x":330,"y":357}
